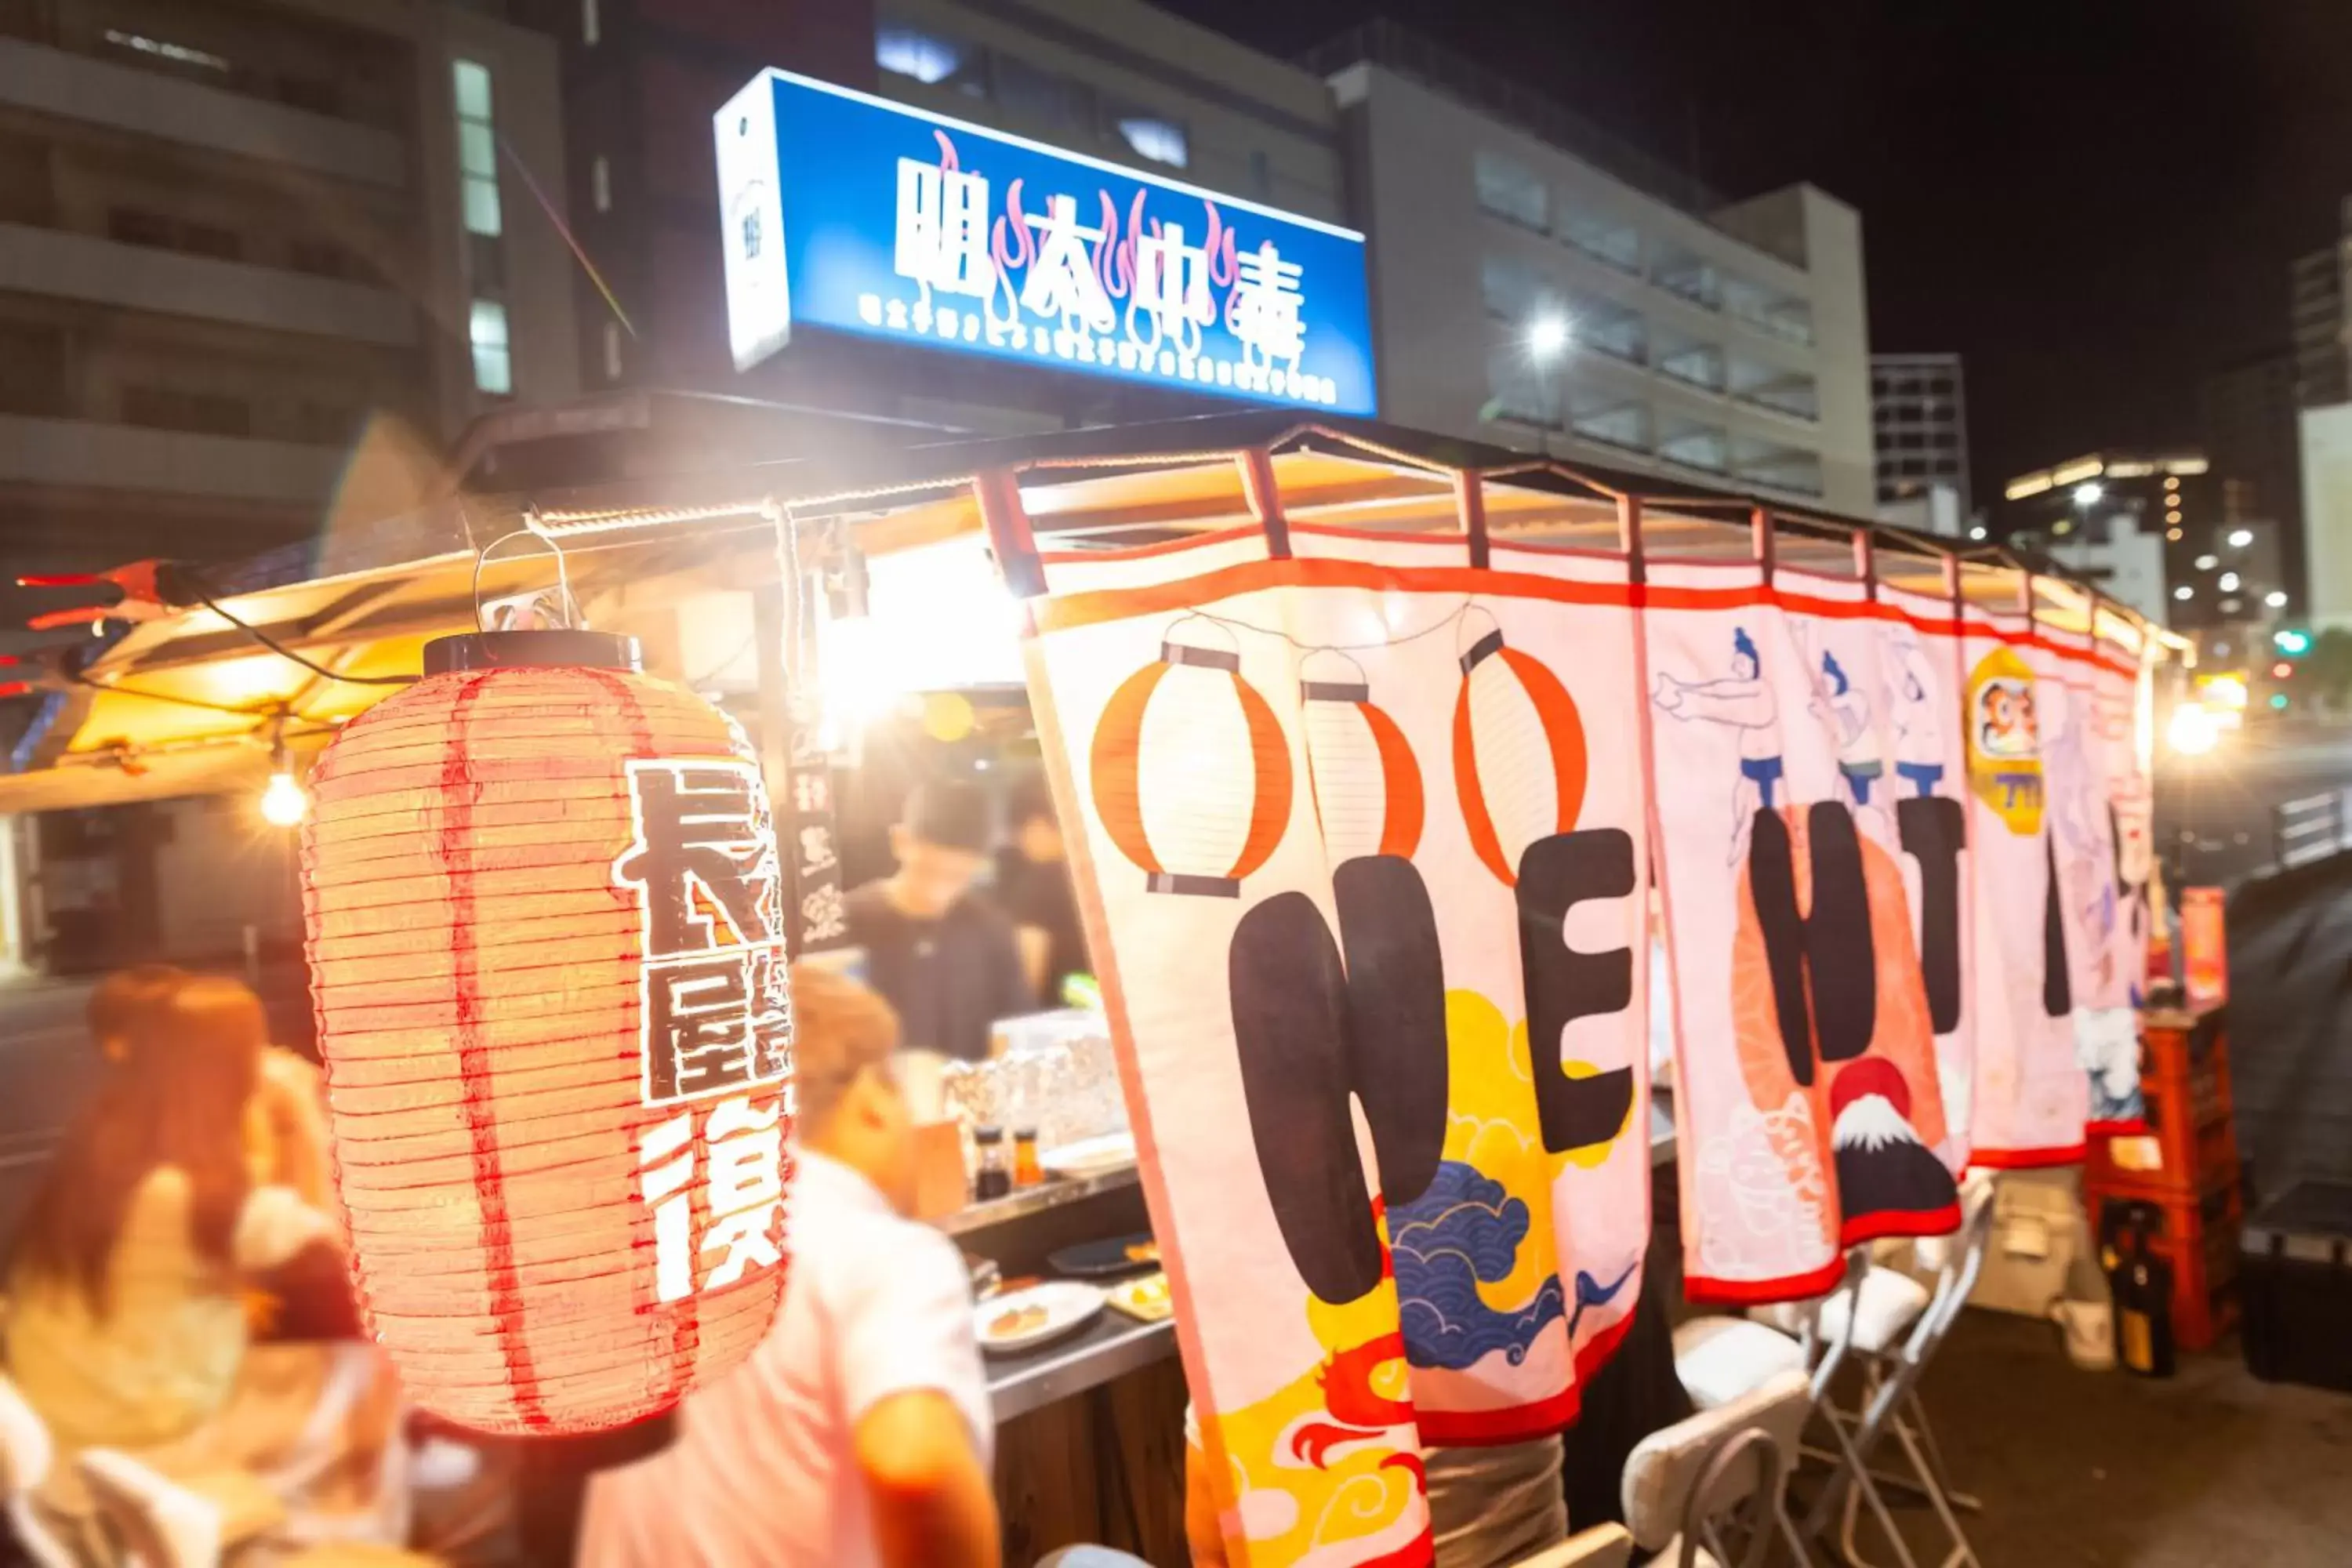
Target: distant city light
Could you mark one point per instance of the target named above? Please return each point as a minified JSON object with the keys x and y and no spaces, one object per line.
{"x":2184,"y":593}
{"x":2229,"y":582}
{"x":2275,"y":598}
{"x":2241,"y":537}
{"x":2192,"y":730}
{"x":1977,"y":533}
{"x":2292,"y":641}
{"x":1549,"y":335}
{"x":2278,"y":700}
{"x":2282,"y":670}
{"x":2229,"y":607}
{"x":2172,"y":484}
{"x":2207,"y":563}
{"x":2089,"y":494}
{"x":2173,"y":534}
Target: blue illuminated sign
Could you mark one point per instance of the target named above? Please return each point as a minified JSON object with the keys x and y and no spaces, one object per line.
{"x":860,"y":215}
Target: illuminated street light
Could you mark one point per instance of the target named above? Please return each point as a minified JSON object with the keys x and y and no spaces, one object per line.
{"x":1549,"y":336}
{"x":2089,"y":494}
{"x":2241,"y":537}
{"x":2275,"y":598}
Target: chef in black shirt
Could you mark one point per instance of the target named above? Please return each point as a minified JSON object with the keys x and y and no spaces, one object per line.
{"x":1032,"y":879}
{"x":945,"y":957}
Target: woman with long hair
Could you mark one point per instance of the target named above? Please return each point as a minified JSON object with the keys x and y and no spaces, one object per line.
{"x":127,"y":1322}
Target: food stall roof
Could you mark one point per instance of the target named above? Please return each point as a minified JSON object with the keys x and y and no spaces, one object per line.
{"x":187,"y":701}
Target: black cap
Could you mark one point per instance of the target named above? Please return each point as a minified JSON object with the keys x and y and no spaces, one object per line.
{"x":532,"y":650}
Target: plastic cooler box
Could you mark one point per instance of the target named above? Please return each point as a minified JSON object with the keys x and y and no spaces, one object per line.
{"x":2296,"y":1287}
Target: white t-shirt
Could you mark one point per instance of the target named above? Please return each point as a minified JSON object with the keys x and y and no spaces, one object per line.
{"x":764,"y":1467}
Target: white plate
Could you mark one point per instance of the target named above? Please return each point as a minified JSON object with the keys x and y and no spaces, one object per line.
{"x":1091,"y":1156}
{"x":1068,"y":1305}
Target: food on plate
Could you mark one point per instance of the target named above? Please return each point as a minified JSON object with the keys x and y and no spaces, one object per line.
{"x":1019,"y":1321}
{"x":1143,"y":1252}
{"x":1146,"y":1298}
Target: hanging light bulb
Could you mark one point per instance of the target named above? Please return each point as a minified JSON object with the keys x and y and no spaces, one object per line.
{"x":284,"y":802}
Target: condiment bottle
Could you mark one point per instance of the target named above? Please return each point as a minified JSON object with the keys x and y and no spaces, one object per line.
{"x":991,"y":1181}
{"x":1026,"y":1171}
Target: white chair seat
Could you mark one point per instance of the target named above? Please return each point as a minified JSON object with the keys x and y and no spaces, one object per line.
{"x":1891,"y":1301}
{"x":1719,"y":1359}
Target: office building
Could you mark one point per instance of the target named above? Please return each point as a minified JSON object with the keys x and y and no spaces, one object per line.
{"x":1114,"y":81}
{"x":1919,"y":418}
{"x":2248,"y":416}
{"x":2323,"y":347}
{"x":2220,"y":571}
{"x":259,"y":262}
{"x":1535,"y":286}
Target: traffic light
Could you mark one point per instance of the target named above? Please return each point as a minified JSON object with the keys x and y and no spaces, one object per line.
{"x":2281,"y":671}
{"x":2291,"y":642}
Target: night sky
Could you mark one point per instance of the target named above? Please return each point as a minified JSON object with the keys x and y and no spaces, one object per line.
{"x":2094,"y":201}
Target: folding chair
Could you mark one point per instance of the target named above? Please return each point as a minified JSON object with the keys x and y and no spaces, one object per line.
{"x":1718,"y":1359}
{"x":1720,"y":1477}
{"x":1889,"y":1401}
{"x":26,"y":1455}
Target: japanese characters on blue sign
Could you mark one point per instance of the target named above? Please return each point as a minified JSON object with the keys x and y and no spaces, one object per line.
{"x":853,"y":214}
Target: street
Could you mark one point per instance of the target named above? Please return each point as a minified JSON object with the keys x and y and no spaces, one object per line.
{"x":2214,"y":821}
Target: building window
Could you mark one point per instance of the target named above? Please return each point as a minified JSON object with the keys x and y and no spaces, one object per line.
{"x":1508,"y":190}
{"x":1043,"y":98}
{"x":928,"y":58}
{"x":478,"y":148}
{"x":493,"y":369}
{"x":600,"y":183}
{"x":592,"y":23}
{"x":1150,"y":136}
{"x":612,"y":350}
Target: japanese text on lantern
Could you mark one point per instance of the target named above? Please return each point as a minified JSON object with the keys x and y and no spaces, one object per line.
{"x":716,"y":1014}
{"x":743,"y":1148}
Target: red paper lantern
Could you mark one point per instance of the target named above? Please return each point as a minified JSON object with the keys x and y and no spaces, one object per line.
{"x":1367,"y":794}
{"x":1190,"y":768}
{"x":1519,"y":748}
{"x":544,"y":909}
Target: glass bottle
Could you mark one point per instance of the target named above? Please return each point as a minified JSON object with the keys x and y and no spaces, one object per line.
{"x":1026,"y":1171}
{"x":991,"y":1181}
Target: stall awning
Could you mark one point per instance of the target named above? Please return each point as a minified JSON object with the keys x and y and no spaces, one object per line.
{"x":190,"y":704}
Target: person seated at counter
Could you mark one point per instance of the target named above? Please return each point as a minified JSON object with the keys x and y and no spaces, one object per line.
{"x":1032,"y":877}
{"x":944,"y":955}
{"x":859,"y":1432}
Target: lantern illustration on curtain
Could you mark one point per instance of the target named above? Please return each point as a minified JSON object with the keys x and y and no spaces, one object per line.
{"x":1367,"y":785}
{"x":545,"y":931}
{"x":1190,"y":769}
{"x":1519,"y":754}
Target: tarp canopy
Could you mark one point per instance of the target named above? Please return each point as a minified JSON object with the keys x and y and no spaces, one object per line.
{"x":188,"y":702}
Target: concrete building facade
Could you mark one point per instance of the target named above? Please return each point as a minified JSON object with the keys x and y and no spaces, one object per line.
{"x":1524,"y":293}
{"x":1114,"y":79}
{"x":259,"y":263}
{"x":1919,"y":418}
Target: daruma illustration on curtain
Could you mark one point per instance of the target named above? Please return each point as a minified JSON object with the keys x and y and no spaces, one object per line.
{"x":1810,"y":1113}
{"x":1362,"y":842}
{"x":2031,"y":1095}
{"x":546,"y":951}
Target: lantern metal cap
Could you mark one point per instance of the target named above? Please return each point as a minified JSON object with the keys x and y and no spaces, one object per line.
{"x":533,"y":650}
